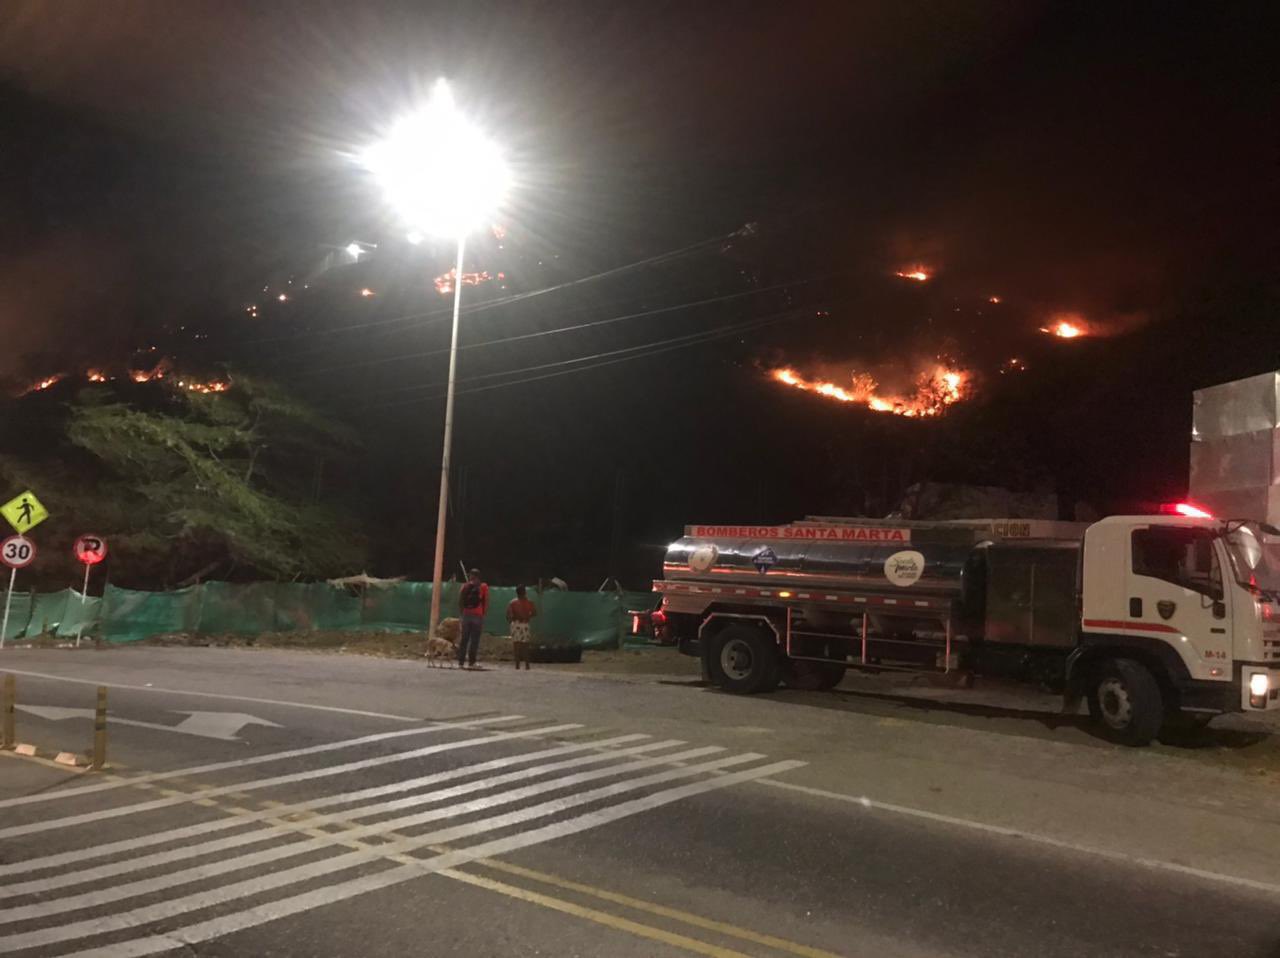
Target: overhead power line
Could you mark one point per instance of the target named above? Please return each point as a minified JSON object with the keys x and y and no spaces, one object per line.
{"x":502,"y":301}
{"x":596,"y":360}
{"x":577,"y":327}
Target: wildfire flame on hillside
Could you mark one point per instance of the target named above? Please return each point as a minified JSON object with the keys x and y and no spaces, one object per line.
{"x":918,"y":273}
{"x":444,"y":282}
{"x":41,"y":385}
{"x":1065,"y":329}
{"x":161,"y":371}
{"x":936,"y":388}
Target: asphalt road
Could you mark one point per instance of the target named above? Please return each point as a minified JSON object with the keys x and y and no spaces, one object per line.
{"x":289,"y":804}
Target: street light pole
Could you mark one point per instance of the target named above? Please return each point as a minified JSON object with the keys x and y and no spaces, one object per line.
{"x":442,"y":175}
{"x":437,"y":573}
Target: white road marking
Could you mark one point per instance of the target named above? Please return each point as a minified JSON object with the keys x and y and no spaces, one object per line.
{"x":231,"y":892}
{"x":217,"y":725}
{"x":292,"y":849}
{"x":119,"y":811}
{"x":1269,"y":888}
{"x":261,"y":914}
{"x":41,"y":886}
{"x":45,"y":797}
{"x":219,"y":695}
{"x":220,"y":824}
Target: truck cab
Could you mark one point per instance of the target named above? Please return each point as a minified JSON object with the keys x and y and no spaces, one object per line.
{"x":1177,"y":614}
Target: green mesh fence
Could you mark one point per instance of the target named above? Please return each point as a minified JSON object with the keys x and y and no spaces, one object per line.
{"x":65,"y":614}
{"x":315,"y":606}
{"x":19,"y":613}
{"x":128,"y":616}
{"x":402,"y":607}
{"x":225,"y":608}
{"x":79,"y":618}
{"x":590,"y":619}
{"x":49,"y":611}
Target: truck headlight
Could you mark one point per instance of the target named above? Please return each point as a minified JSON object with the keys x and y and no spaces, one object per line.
{"x":1259,"y":685}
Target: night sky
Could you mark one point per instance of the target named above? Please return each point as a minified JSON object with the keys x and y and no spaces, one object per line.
{"x":164,"y":167}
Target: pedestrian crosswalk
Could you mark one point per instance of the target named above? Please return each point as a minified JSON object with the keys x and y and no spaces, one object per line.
{"x":175,"y":874}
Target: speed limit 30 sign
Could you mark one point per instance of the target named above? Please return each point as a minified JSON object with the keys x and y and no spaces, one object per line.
{"x":17,"y":552}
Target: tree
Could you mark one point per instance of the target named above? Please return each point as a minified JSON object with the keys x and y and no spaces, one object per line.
{"x":186,"y":485}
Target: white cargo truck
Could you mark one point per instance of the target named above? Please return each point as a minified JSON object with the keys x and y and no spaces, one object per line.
{"x":1144,"y":617}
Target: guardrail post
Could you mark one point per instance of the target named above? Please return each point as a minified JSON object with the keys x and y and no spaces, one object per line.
{"x":9,"y":738}
{"x":100,"y":731}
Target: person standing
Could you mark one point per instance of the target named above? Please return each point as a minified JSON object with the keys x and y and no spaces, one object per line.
{"x":473,"y":603}
{"x":520,"y":613}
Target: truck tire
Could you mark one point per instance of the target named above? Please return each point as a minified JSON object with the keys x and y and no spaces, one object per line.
{"x":743,"y":659}
{"x":805,"y":676}
{"x":1125,"y":700}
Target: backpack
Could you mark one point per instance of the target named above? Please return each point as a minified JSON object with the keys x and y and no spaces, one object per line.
{"x":470,"y":596}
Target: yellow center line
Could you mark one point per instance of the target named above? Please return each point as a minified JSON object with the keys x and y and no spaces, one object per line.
{"x":664,"y":911}
{"x":599,"y":917}
{"x":296,"y":823}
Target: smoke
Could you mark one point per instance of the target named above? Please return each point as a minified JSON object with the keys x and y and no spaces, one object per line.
{"x":69,"y":299}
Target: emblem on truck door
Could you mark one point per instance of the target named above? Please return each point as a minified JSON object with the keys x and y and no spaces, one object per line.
{"x":764,"y":560}
{"x":1166,"y":608}
{"x":904,"y":568}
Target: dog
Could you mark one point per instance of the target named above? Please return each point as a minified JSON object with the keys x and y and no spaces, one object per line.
{"x":438,"y":648}
{"x":450,"y":629}
{"x":444,"y":644}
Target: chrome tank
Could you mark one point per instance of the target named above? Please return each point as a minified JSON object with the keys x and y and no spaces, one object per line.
{"x":844,"y":566}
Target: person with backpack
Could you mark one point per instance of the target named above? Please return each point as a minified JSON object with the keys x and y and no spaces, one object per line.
{"x":473,"y":603}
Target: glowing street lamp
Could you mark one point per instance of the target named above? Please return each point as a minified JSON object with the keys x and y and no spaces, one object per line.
{"x":443,"y":177}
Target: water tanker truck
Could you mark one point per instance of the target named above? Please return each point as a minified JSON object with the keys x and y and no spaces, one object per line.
{"x":1144,"y":617}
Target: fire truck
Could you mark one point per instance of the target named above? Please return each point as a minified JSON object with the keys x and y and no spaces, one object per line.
{"x":1144,"y":617}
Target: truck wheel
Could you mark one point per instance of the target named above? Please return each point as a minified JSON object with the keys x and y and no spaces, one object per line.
{"x":743,"y":659}
{"x":1125,"y":700}
{"x":805,"y":676}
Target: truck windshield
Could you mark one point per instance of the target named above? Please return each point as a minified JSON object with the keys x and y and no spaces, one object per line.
{"x":1255,"y":558}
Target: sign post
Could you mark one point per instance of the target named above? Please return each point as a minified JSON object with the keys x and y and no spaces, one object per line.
{"x":16,"y":552}
{"x":90,"y":550}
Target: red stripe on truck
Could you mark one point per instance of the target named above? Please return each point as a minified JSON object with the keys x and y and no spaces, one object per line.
{"x":668,"y":585}
{"x":1129,"y":626}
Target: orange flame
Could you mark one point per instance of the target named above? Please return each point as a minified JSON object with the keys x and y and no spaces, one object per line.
{"x":214,"y":386}
{"x":147,"y":375}
{"x":41,"y":385}
{"x":1065,"y":329}
{"x":444,"y":282}
{"x":920,"y":274}
{"x":161,"y":370}
{"x":935,"y":390}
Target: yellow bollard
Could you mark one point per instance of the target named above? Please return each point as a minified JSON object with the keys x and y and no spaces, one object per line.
{"x":8,"y":738}
{"x":100,"y":731}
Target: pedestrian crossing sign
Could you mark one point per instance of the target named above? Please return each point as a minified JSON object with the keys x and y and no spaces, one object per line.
{"x":24,"y":512}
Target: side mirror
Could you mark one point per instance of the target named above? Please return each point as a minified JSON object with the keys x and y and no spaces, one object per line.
{"x":1219,"y":609}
